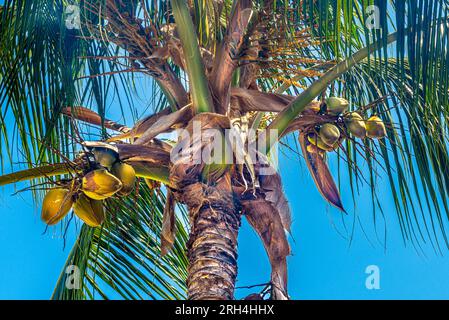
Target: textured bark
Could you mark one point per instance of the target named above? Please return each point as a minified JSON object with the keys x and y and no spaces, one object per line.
{"x":212,"y":247}
{"x":214,"y":218}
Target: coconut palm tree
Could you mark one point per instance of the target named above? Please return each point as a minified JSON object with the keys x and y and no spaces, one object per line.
{"x":358,"y":82}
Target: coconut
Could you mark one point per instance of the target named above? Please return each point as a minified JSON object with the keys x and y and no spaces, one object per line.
{"x":105,"y":157}
{"x":336,"y":105}
{"x":127,"y":175}
{"x":314,"y":149}
{"x":356,"y":125}
{"x":56,"y":204}
{"x":105,"y":154}
{"x":100,"y":184}
{"x":316,"y":141}
{"x":89,"y":210}
{"x":375,"y":128}
{"x":329,"y":134}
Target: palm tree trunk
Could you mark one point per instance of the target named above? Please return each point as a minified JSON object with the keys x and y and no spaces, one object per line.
{"x":214,"y":223}
{"x":212,"y":246}
{"x":214,"y":214}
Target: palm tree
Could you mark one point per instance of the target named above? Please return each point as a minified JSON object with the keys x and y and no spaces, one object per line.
{"x":261,"y":65}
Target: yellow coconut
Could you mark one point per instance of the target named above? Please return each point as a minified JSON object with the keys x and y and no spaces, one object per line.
{"x":356,"y":124}
{"x":375,"y":128}
{"x":329,"y":134}
{"x":314,"y":149}
{"x":127,"y":175}
{"x":336,"y":105}
{"x":316,"y":141}
{"x":56,"y":204}
{"x":100,"y":184}
{"x":89,"y":210}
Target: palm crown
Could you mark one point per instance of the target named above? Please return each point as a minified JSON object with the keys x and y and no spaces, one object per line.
{"x":232,"y":64}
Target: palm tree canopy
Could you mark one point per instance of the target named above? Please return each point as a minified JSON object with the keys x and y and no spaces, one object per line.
{"x":388,"y":58}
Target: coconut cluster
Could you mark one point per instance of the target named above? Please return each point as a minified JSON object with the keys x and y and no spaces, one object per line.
{"x":108,"y":177}
{"x":328,"y":136}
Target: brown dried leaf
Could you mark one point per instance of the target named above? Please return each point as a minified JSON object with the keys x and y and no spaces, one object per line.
{"x":168,"y":224}
{"x":271,"y":186}
{"x":321,"y":174}
{"x":255,"y":100}
{"x":266,"y":221}
{"x":142,"y":126}
{"x":151,"y":154}
{"x":165,"y":123}
{"x":160,"y":53}
{"x":89,"y":116}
